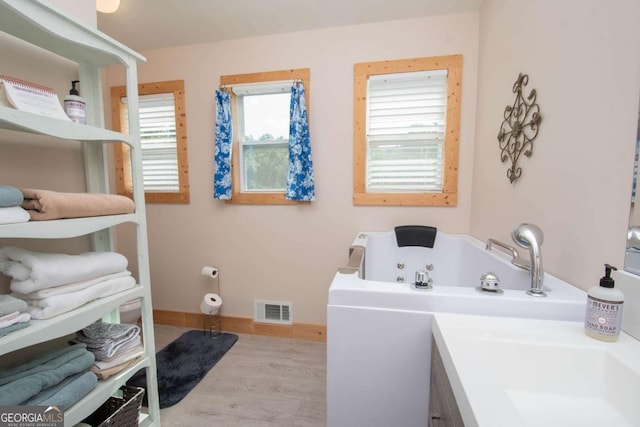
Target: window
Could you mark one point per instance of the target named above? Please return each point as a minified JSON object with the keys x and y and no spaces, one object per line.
{"x":263,"y":135}
{"x":406,"y":131}
{"x":163,"y":138}
{"x":260,"y":105}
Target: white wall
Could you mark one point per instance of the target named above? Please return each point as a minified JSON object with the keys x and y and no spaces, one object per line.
{"x":291,"y":252}
{"x":83,"y":10}
{"x":583,"y":58}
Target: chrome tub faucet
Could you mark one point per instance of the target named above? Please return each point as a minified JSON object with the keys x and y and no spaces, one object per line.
{"x":529,"y":236}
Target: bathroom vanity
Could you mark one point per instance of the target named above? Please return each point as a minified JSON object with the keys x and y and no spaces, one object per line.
{"x":443,"y":408}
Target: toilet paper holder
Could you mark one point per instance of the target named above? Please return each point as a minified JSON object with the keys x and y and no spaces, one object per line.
{"x":212,"y":320}
{"x":210,"y":307}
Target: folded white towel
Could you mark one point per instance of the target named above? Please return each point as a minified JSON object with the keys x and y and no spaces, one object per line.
{"x":9,"y":316}
{"x":58,"y":304}
{"x":20,"y":318}
{"x":71,"y":287}
{"x":119,"y":359}
{"x":13,"y":215}
{"x":32,"y":271}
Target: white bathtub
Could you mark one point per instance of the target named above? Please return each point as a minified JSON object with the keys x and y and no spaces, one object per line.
{"x":379,"y":331}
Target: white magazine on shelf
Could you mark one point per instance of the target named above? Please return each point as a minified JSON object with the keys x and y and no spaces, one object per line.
{"x":32,"y":98}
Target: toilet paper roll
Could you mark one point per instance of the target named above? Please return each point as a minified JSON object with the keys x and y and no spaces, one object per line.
{"x":211,"y":304}
{"x":211,"y":272}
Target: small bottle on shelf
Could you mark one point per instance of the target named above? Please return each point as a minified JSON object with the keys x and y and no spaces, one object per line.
{"x":74,"y":105}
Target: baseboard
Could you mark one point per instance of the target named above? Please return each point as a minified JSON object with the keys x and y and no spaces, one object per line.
{"x":304,"y":331}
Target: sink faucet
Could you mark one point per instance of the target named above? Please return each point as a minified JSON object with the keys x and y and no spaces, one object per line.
{"x":529,"y":236}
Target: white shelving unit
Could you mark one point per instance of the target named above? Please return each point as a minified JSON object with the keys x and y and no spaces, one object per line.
{"x":44,"y":25}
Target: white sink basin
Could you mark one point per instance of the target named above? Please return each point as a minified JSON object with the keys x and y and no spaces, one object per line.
{"x":524,"y":372}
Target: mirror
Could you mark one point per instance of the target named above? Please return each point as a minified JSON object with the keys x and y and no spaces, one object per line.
{"x":632,"y":253}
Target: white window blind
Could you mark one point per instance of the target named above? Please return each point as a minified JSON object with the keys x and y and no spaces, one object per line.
{"x":406,"y":117}
{"x":159,"y":144}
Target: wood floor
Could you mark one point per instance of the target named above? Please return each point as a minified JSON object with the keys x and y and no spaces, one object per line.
{"x":261,"y":381}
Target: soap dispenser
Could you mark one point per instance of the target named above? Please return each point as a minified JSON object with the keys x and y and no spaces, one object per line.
{"x":604,"y":309}
{"x":74,"y":105}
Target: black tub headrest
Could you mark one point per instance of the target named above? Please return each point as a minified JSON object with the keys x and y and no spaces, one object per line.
{"x":416,"y":235}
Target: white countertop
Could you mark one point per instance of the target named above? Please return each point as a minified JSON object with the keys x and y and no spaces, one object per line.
{"x":512,"y":372}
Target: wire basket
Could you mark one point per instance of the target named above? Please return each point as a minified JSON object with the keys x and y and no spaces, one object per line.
{"x":119,"y":411}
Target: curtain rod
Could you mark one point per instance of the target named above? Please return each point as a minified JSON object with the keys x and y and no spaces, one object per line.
{"x":272,"y":82}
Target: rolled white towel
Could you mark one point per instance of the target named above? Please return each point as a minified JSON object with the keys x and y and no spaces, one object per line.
{"x":32,"y":271}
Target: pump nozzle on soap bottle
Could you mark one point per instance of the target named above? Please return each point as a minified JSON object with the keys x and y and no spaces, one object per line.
{"x":603,"y":318}
{"x":74,"y":105}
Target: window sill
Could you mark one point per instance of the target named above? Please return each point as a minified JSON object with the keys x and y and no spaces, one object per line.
{"x":173,"y":198}
{"x":261,"y":199}
{"x":405,"y":199}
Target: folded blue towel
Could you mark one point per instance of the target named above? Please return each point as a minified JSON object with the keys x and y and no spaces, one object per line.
{"x":10,"y":196}
{"x":66,"y":393}
{"x":14,"y":327}
{"x":47,"y":361}
{"x":20,"y":390}
{"x":9,"y":304}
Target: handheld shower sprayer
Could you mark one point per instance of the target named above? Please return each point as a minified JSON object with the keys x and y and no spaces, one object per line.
{"x":530,"y":236}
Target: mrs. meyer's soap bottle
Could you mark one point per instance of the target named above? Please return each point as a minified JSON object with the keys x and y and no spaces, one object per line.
{"x":604,"y":309}
{"x":74,"y":105}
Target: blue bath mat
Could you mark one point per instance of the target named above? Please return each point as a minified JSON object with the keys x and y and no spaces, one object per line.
{"x":183,"y":363}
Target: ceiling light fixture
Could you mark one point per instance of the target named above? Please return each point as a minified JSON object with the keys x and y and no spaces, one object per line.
{"x":107,"y":6}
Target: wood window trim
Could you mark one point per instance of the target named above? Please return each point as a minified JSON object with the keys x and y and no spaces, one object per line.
{"x":255,"y":198}
{"x":121,"y":151}
{"x":362,"y":71}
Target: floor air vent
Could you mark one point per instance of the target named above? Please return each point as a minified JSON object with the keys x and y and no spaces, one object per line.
{"x":272,"y":312}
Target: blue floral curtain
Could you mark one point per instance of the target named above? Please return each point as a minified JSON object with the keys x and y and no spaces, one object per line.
{"x":300,"y":183}
{"x":222,"y":156}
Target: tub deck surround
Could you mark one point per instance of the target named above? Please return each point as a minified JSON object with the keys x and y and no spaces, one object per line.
{"x":564,"y":302}
{"x":531,"y":372}
{"x":379,"y":331}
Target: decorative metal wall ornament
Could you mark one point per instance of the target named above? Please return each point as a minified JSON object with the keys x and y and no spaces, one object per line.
{"x":519,"y":128}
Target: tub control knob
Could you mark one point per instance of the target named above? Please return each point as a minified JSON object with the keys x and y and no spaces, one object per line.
{"x":489,"y":282}
{"x":423,"y":281}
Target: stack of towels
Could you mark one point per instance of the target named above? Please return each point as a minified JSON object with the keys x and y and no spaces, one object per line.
{"x":116,"y":346}
{"x":52,"y":284}
{"x":13,"y":314}
{"x":22,"y":205}
{"x":10,"y":210}
{"x":59,"y":377}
